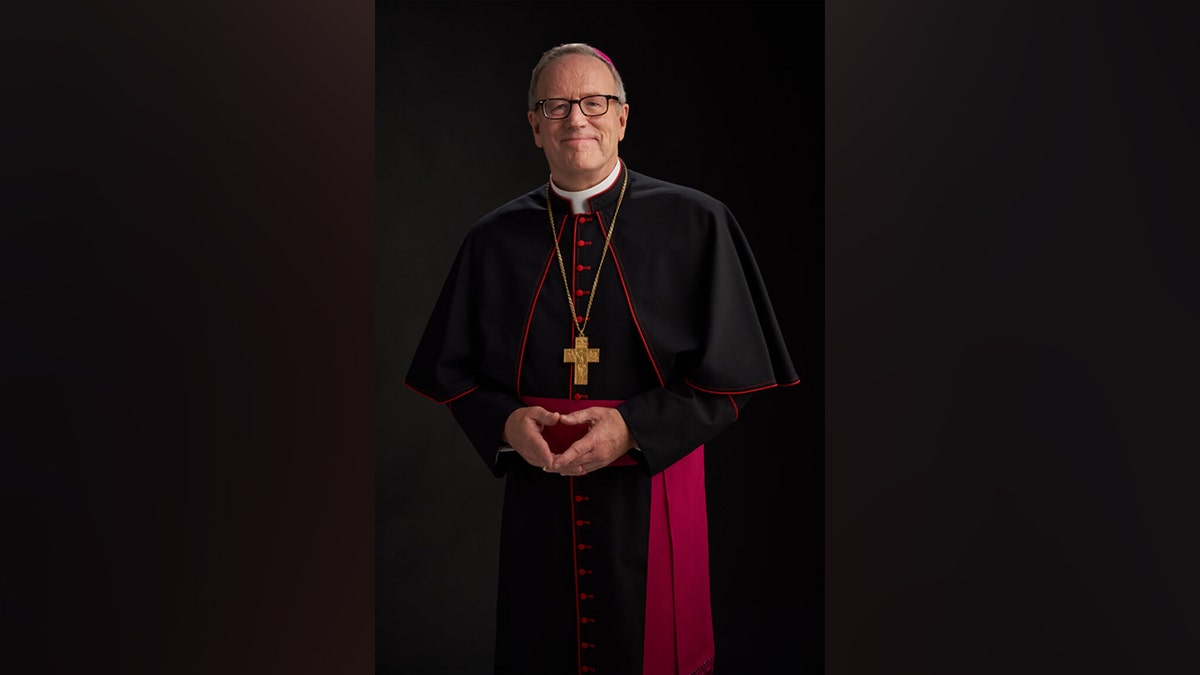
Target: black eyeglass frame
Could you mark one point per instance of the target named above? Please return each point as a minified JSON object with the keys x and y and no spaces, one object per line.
{"x":576,"y":101}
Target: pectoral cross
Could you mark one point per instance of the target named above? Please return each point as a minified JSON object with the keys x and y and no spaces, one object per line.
{"x":581,"y":356}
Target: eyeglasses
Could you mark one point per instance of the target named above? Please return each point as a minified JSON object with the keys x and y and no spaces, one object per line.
{"x":560,"y":108}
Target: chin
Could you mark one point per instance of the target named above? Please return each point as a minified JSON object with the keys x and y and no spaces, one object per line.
{"x":584,"y":163}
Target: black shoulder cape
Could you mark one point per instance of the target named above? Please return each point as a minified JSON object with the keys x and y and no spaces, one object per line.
{"x":688,"y":274}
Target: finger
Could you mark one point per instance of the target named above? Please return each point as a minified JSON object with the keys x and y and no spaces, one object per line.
{"x":569,"y":470}
{"x":542,"y":455}
{"x":577,"y":456}
{"x":542,"y":417}
{"x":571,"y":456}
{"x":576,"y":417}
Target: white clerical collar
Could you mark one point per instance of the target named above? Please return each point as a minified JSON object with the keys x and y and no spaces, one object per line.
{"x":579,"y":199}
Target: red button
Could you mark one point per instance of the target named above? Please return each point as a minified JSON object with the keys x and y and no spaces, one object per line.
{"x":579,"y":292}
{"x":578,"y":396}
{"x":579,"y":318}
{"x":579,"y":268}
{"x":581,"y":243}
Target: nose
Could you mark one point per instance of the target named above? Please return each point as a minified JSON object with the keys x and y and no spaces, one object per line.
{"x":575,"y":113}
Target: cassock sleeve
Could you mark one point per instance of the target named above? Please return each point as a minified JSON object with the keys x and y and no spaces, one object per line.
{"x":482,"y":414}
{"x":669,"y":423}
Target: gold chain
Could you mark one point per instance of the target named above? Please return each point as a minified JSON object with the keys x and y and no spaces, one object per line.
{"x":582,"y":326}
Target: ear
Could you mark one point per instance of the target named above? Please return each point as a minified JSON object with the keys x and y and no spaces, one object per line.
{"x":535,"y":124}
{"x":622,"y":118}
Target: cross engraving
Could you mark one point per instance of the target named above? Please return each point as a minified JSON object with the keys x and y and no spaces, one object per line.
{"x":581,"y":356}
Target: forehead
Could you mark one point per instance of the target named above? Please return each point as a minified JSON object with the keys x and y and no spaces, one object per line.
{"x":574,"y":75}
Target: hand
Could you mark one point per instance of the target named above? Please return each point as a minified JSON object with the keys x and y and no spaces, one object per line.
{"x":606,"y":440}
{"x":523,"y":431}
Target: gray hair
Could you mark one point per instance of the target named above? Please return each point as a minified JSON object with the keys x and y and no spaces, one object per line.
{"x":554,"y":53}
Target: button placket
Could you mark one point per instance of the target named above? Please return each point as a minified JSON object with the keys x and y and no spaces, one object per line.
{"x":584,"y":259}
{"x":584,"y":571}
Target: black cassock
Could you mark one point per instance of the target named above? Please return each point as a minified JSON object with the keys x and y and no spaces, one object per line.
{"x":605,"y":573}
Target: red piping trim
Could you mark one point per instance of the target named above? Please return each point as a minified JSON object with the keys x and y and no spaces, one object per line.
{"x":445,"y":401}
{"x":529,"y":315}
{"x":633,"y":313}
{"x":735,"y":408}
{"x":574,"y":307}
{"x":748,"y":390}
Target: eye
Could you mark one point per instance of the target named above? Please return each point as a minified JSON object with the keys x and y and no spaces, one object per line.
{"x":557,"y":106}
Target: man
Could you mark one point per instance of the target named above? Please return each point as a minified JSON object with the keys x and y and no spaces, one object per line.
{"x":591,"y":336}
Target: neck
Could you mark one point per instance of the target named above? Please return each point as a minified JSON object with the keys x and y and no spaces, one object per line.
{"x":578,"y":198}
{"x":576,"y":181}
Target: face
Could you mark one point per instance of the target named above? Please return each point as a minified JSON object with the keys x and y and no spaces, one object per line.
{"x":581,"y":150}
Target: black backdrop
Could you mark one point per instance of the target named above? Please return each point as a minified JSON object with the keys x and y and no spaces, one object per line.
{"x":452,"y":143}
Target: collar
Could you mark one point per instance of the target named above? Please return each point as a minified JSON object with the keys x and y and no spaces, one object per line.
{"x":578,"y":199}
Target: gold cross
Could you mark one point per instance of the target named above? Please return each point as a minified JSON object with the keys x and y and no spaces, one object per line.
{"x":581,"y":356}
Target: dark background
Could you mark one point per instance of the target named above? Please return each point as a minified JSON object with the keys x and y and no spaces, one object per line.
{"x":1011,"y":320}
{"x":442,"y":165}
{"x":189,"y":249}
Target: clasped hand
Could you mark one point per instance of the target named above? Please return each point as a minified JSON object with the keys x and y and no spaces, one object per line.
{"x":606,"y":439}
